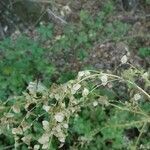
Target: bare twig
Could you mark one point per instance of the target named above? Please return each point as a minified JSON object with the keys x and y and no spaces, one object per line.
{"x":41,"y":1}
{"x":51,"y":14}
{"x":39,"y":19}
{"x":2,"y":35}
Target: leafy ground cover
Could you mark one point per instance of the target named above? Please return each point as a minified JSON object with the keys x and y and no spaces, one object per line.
{"x":108,"y":111}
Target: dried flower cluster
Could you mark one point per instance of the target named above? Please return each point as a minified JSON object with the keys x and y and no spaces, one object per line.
{"x":47,"y":111}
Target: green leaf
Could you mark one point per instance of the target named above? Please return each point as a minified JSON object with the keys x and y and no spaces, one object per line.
{"x":144,"y":52}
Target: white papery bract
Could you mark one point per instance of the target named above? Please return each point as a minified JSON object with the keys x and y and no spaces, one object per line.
{"x":59,"y":117}
{"x":85,"y":92}
{"x":124,"y":59}
{"x":104,"y":79}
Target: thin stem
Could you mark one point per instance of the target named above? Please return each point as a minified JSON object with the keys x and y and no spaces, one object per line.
{"x":101,"y":85}
{"x":141,"y":132}
{"x":96,"y":131}
{"x":88,"y":77}
{"x":126,"y":109}
{"x":50,"y":142}
{"x":56,"y":17}
{"x":11,"y":146}
{"x":117,"y":77}
{"x":140,"y":89}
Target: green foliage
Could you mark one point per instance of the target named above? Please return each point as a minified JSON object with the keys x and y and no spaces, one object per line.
{"x":25,"y":59}
{"x":66,"y":76}
{"x":108,"y":8}
{"x":20,"y":64}
{"x":46,"y":32}
{"x":116,"y":30}
{"x":82,"y":54}
{"x":144,"y":52}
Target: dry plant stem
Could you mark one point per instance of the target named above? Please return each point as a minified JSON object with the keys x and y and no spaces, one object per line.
{"x":36,"y":119}
{"x":119,"y":78}
{"x":126,"y":109}
{"x":141,"y":132}
{"x":140,"y":89}
{"x":96,"y":131}
{"x":39,"y":19}
{"x":56,"y":17}
{"x":41,"y":1}
{"x":11,"y":146}
{"x":29,"y":112}
{"x":88,"y":77}
{"x":101,"y":85}
{"x":50,"y":142}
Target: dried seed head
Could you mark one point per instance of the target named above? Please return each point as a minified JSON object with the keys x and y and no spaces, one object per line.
{"x":46,"y":108}
{"x":16,"y":109}
{"x":45,"y":125}
{"x":17,"y":131}
{"x":137,"y":97}
{"x":104,"y":79}
{"x":85,"y":92}
{"x":95,"y":103}
{"x":36,"y":147}
{"x":65,"y":126}
{"x":44,"y":139}
{"x":124,"y":59}
{"x":75,"y":88}
{"x":59,"y":117}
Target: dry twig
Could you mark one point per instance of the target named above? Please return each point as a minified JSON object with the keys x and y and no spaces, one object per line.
{"x":53,"y":15}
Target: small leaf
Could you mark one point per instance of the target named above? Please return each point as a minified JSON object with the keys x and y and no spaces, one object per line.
{"x":62,"y":139}
{"x":45,"y":146}
{"x":17,"y":130}
{"x":75,"y":88}
{"x":46,"y":108}
{"x":45,"y":125}
{"x":81,"y":74}
{"x":25,"y":126}
{"x":95,"y":103}
{"x":16,"y":109}
{"x":44,"y":139}
{"x":137,"y":97}
{"x":36,"y":147}
{"x":26,"y":139}
{"x":65,"y":126}
{"x":33,"y":87}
